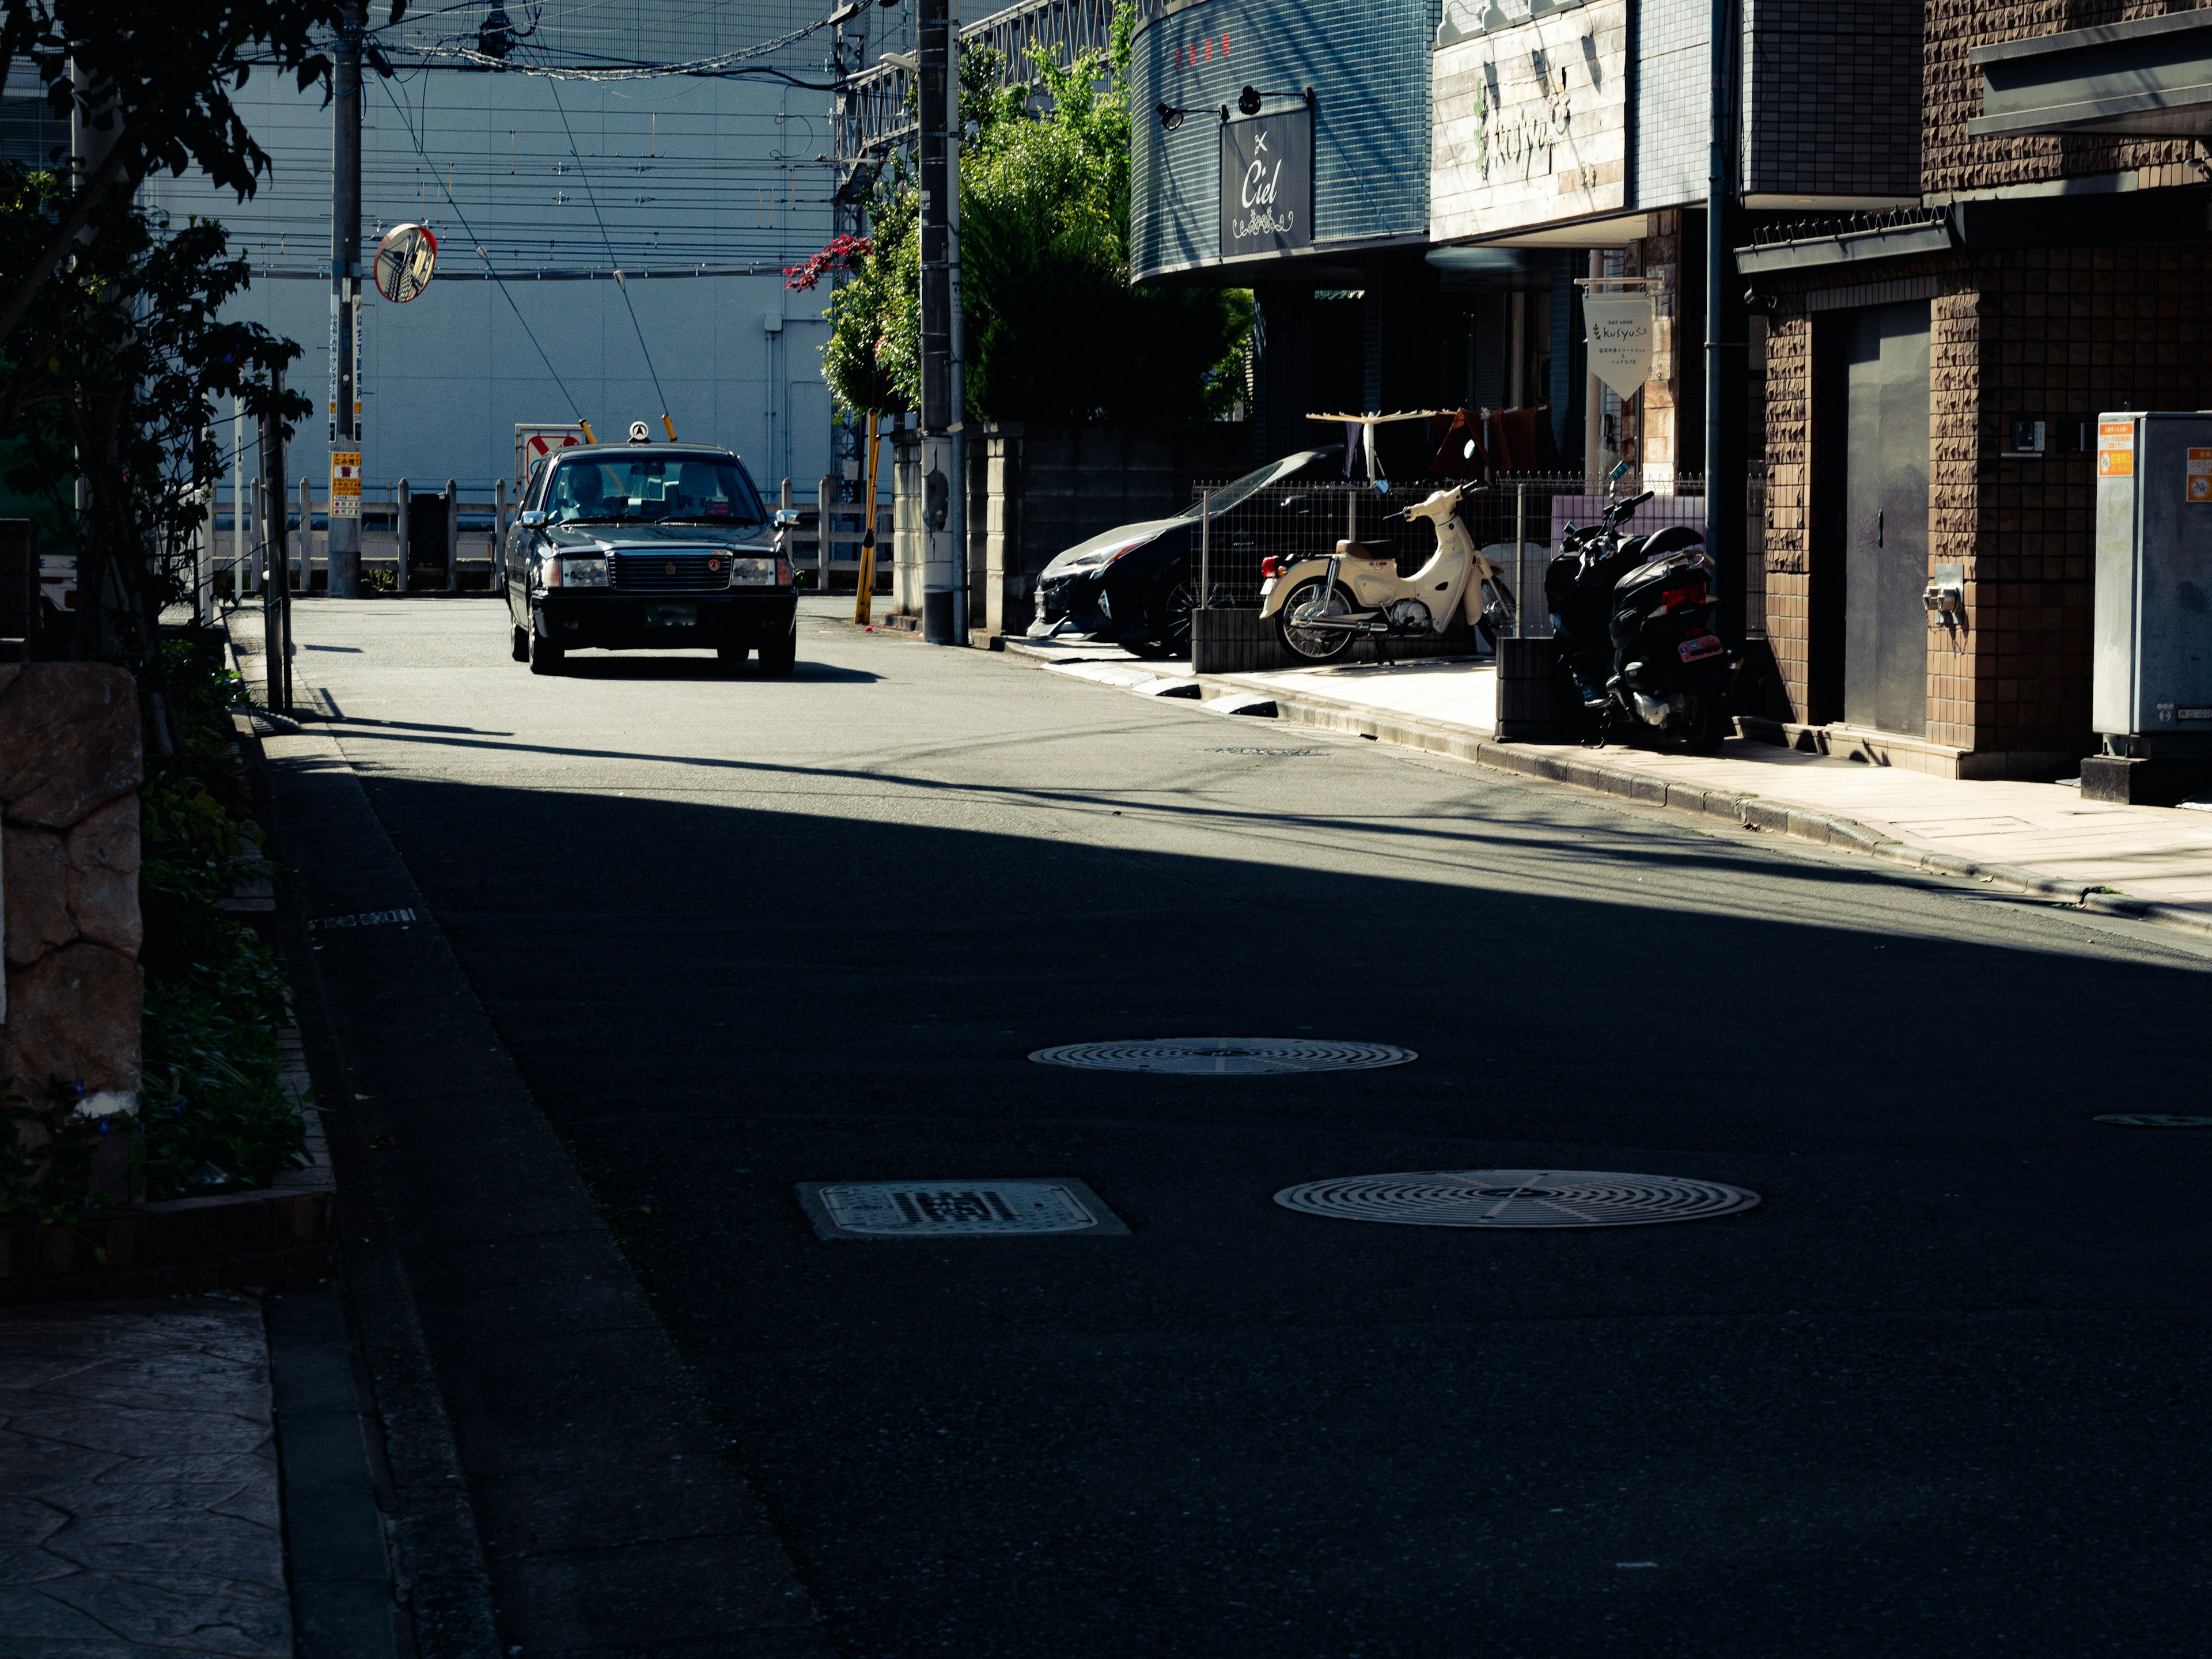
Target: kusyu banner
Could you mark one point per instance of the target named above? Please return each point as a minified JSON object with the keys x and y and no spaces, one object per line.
{"x":1266,"y":184}
{"x":1619,"y":331}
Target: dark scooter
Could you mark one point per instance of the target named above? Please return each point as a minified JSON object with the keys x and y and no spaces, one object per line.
{"x":1635,"y":619}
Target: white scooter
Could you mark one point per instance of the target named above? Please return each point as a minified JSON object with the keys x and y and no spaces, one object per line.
{"x":1321,"y":605}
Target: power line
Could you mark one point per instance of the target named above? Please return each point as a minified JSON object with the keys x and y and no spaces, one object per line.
{"x":401,"y":110}
{"x":591,"y":196}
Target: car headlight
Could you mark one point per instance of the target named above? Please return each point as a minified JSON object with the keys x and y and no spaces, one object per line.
{"x":577,"y":570}
{"x":753,"y":573}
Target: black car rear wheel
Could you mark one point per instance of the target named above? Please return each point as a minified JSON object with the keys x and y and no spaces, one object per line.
{"x":517,"y":645}
{"x":732,"y":657}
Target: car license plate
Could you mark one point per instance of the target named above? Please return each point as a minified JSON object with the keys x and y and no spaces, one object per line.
{"x":1695,"y":650}
{"x":672,"y":615}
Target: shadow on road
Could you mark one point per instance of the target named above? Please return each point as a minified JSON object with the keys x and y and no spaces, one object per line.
{"x":1941,"y":1392}
{"x":624,"y":665}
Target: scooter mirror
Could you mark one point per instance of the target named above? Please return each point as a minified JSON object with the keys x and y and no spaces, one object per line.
{"x":1618,"y":472}
{"x":1467,"y":454}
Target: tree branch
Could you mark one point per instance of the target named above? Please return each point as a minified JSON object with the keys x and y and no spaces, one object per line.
{"x":27,"y":286}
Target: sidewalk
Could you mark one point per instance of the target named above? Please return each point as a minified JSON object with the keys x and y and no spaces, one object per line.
{"x":137,"y":1457}
{"x":2149,"y":861}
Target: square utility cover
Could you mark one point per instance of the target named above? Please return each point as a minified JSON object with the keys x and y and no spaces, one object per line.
{"x":953,"y":1209}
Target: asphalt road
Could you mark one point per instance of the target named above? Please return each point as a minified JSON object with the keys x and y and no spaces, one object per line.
{"x":1943,"y":1392}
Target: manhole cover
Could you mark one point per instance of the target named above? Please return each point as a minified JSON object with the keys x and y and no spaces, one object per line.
{"x":1225,"y":1056}
{"x":1516,"y":1198}
{"x":2156,"y":1120}
{"x":953,"y":1209}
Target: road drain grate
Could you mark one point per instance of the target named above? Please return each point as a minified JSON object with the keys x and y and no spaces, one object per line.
{"x":2156,"y":1120}
{"x":1224,"y":1056}
{"x":953,"y":1209}
{"x":1516,"y":1198}
{"x":1269,"y":751}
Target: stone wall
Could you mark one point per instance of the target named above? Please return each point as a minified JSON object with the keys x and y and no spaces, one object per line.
{"x":69,"y":770}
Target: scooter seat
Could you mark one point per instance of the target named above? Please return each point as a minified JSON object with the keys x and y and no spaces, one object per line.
{"x":1377,"y":550}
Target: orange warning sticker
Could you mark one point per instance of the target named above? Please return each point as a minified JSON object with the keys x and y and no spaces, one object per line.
{"x":2198,"y":488}
{"x":2116,"y":449}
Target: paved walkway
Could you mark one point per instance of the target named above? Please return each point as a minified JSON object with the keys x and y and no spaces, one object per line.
{"x":2159,"y":855}
{"x":139,"y":1506}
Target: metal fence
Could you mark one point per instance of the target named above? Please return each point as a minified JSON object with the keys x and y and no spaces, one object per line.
{"x":1519,"y":521}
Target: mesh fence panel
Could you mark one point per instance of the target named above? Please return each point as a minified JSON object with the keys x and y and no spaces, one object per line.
{"x":1306,"y":521}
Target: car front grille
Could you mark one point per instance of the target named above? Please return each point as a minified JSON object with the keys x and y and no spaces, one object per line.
{"x":669,"y":571}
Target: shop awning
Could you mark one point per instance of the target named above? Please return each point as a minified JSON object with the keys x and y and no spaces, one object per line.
{"x":2150,"y":78}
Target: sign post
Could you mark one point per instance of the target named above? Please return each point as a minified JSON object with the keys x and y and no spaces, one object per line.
{"x":1620,"y":332}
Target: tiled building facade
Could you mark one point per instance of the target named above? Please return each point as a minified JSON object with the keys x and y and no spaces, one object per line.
{"x":2040,"y":311}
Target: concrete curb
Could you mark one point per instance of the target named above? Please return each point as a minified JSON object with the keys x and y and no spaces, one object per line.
{"x":1583,"y":770}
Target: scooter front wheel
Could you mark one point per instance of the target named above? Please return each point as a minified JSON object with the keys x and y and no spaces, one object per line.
{"x":1314,"y":644}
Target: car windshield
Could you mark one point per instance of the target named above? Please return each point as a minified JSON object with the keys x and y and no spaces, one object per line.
{"x":651,"y":488}
{"x":1233,"y":494}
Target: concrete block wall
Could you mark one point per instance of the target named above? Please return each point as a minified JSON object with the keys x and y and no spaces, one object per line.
{"x":70,"y":766}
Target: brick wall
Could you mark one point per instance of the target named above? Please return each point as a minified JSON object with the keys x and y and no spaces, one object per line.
{"x":2041,"y":332}
{"x":1953,"y":161}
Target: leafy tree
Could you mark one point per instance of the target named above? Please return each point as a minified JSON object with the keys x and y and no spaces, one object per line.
{"x":110,"y":350}
{"x":152,"y":79}
{"x":112,"y":374}
{"x":1053,"y":328}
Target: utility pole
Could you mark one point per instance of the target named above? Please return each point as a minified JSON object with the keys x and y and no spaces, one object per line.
{"x":344,"y":558}
{"x":276,"y":558}
{"x":943,"y":481}
{"x":1726,"y":501}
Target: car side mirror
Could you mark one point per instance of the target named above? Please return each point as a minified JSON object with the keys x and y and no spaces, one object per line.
{"x":786,"y":517}
{"x":533,"y":520}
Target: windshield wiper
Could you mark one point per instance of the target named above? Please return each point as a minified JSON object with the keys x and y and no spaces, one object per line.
{"x":601,"y":518}
{"x":701,"y":518}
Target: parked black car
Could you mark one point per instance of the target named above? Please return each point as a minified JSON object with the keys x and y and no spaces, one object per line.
{"x":633,"y":546}
{"x":1137,"y":584}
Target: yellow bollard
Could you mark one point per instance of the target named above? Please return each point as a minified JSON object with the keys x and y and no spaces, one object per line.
{"x":863,"y":601}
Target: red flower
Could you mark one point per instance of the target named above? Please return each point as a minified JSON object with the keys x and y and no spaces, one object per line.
{"x":844,"y":253}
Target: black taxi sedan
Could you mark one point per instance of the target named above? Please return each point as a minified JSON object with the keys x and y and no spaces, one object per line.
{"x":628,"y":547}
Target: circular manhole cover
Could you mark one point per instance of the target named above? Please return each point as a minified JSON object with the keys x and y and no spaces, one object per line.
{"x":1224,"y":1056}
{"x":1516,"y":1198}
{"x":2156,"y":1120}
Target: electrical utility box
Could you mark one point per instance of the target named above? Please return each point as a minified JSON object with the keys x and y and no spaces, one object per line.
{"x":2151,"y":685}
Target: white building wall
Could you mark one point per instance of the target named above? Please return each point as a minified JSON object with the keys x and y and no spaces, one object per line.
{"x":686,"y":172}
